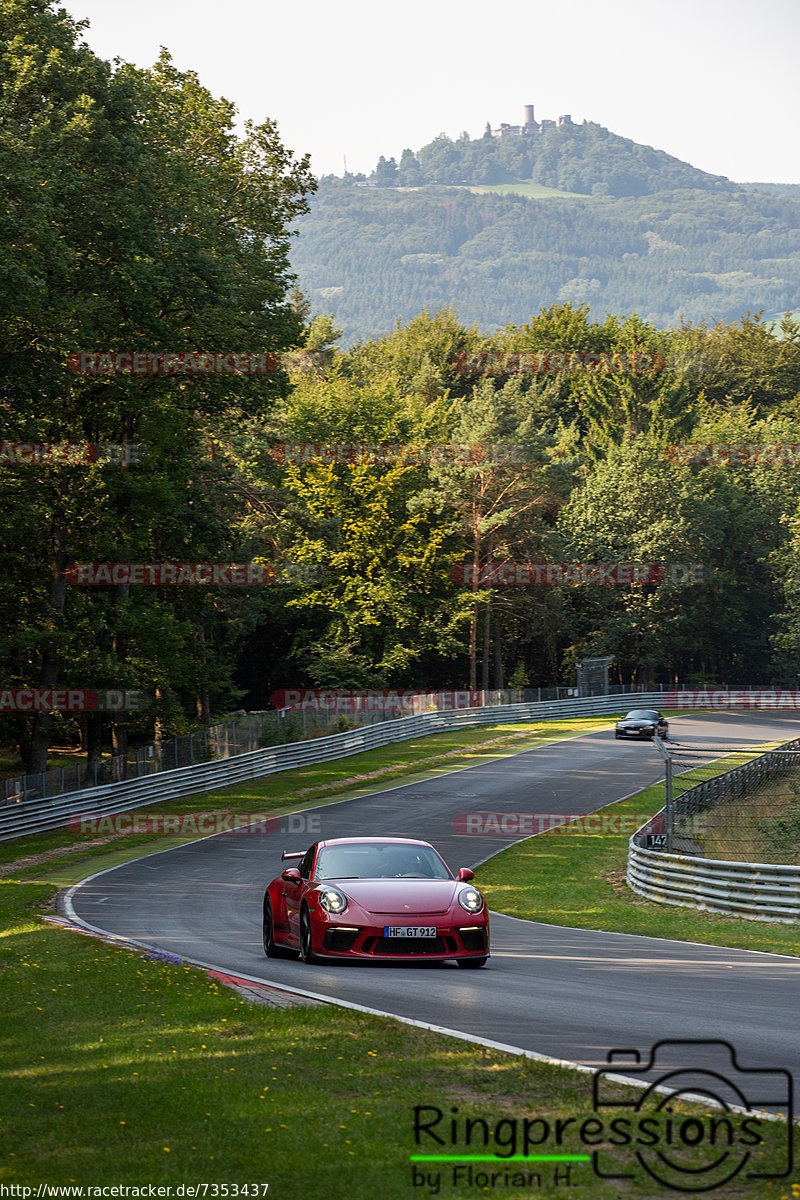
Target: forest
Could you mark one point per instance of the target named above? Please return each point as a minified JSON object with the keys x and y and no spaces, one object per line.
{"x":139,"y":222}
{"x":371,"y":255}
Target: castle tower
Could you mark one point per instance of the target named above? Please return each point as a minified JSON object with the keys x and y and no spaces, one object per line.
{"x":529,"y":115}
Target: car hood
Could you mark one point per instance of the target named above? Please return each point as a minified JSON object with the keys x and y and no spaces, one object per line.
{"x":637,"y":723}
{"x":400,"y":897}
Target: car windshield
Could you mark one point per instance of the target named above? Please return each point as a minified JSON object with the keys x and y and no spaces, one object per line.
{"x":643,"y":714}
{"x":380,"y":860}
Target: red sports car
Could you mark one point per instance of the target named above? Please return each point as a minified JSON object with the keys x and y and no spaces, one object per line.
{"x":387,"y":899}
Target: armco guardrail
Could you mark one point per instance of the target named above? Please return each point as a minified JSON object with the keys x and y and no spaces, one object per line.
{"x":249,"y":731}
{"x":758,"y":891}
{"x":36,"y":816}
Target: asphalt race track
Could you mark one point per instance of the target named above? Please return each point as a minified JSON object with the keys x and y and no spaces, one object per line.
{"x":572,"y":994}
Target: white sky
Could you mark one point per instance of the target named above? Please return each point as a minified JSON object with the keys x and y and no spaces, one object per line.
{"x":714,"y":82}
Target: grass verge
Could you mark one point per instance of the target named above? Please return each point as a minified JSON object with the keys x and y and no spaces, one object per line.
{"x":120,"y":1070}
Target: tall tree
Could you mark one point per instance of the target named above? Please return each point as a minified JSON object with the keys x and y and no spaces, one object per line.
{"x":138,"y":220}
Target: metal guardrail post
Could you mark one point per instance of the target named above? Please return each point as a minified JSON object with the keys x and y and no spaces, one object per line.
{"x":668,"y":810}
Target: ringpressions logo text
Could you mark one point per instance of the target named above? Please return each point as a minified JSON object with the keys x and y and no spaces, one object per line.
{"x":633,"y":1133}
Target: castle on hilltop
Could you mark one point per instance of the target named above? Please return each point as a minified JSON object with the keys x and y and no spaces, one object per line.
{"x":529,"y":125}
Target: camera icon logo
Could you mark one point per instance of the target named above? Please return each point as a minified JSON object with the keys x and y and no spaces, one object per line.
{"x":696,"y":1153}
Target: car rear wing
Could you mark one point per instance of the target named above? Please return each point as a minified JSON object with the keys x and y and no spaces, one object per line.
{"x":292,"y":854}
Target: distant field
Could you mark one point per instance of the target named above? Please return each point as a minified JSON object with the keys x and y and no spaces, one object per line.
{"x":533,"y":191}
{"x":530,"y":191}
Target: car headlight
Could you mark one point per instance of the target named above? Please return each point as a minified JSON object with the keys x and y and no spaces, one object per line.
{"x":332,"y":900}
{"x":470,"y":899}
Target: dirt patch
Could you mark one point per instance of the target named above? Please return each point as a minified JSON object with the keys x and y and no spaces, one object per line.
{"x":36,"y":860}
{"x":617,"y":879}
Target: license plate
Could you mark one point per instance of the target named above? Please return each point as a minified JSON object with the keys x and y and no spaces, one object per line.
{"x":401,"y":931}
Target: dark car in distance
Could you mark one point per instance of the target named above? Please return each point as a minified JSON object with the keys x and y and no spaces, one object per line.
{"x":642,"y":723}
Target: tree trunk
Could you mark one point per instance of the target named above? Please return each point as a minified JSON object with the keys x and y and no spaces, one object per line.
{"x":34,"y":745}
{"x":473,"y":625}
{"x":119,"y":746}
{"x":487,"y":646}
{"x":498,"y":656}
{"x":119,"y":724}
{"x":202,"y":701}
{"x":94,"y":740}
{"x":158,"y":724}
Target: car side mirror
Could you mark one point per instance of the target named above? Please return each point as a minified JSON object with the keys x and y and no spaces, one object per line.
{"x":464,"y":874}
{"x":291,"y":875}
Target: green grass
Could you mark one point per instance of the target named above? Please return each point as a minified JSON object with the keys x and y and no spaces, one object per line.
{"x":117,"y":1069}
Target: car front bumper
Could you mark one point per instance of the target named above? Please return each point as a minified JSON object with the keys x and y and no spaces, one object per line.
{"x":367,"y":942}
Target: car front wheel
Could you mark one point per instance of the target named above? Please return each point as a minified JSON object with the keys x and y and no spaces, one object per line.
{"x":271,"y":948}
{"x":306,"y":941}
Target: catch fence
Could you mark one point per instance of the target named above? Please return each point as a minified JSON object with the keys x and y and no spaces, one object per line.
{"x":742,"y":805}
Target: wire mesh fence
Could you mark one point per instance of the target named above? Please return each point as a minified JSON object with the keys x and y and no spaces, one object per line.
{"x":739,"y":806}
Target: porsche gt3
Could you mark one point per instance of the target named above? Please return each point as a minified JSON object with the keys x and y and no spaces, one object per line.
{"x":375,"y":899}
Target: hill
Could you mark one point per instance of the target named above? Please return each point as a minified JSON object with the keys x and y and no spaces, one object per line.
{"x":371,"y":255}
{"x":588,"y":159}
